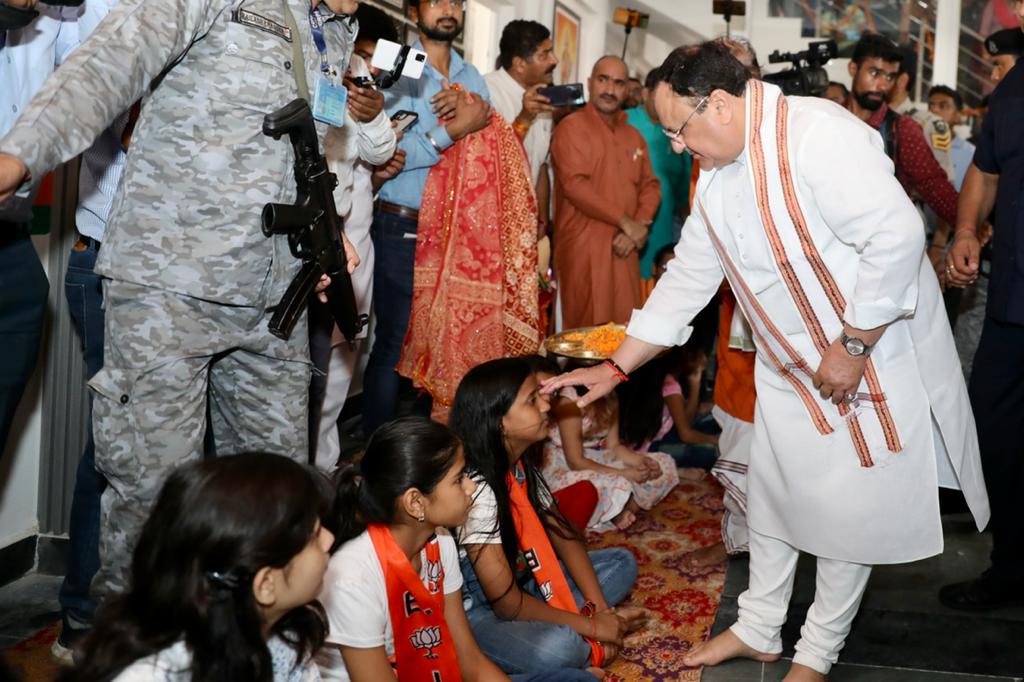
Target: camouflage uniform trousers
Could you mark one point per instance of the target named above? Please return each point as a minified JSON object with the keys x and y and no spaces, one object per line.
{"x":967,"y":333}
{"x":164,"y":355}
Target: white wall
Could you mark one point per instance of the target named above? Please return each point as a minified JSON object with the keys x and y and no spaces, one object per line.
{"x":19,"y":465}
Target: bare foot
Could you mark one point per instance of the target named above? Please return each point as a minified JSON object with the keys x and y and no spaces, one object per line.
{"x":690,"y":473}
{"x":722,"y":647}
{"x":801,"y":673}
{"x":706,"y":556}
{"x":624,"y":519}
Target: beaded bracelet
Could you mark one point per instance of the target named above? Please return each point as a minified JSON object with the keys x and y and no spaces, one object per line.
{"x":619,"y":372}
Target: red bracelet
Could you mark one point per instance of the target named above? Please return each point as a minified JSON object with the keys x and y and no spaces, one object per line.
{"x":588,"y":609}
{"x":619,"y":372}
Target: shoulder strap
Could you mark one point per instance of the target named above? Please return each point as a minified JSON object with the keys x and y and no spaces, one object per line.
{"x":890,"y":138}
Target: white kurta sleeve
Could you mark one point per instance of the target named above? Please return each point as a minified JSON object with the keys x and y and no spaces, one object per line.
{"x":865,"y":206}
{"x":685,"y":288}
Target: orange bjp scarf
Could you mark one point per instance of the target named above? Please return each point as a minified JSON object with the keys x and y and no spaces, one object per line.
{"x":540,"y":555}
{"x":424,"y":650}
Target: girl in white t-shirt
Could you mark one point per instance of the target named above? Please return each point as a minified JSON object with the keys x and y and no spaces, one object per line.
{"x":397,"y":569}
{"x":223,"y":580}
{"x":536,"y":599}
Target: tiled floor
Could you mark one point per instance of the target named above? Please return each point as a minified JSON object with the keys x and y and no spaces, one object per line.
{"x":27,"y":605}
{"x":902,"y":633}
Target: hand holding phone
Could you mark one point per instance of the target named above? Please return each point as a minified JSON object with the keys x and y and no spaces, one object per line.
{"x":403,"y":119}
{"x":569,"y":95}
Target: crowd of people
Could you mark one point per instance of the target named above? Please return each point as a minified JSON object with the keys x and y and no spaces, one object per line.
{"x":808,"y":283}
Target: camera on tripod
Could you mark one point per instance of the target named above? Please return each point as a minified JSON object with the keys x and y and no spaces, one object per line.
{"x":808,"y":76}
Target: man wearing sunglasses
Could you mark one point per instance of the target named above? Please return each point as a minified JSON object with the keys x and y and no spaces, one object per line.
{"x":861,"y":408}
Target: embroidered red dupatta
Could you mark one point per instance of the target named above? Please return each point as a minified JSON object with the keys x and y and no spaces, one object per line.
{"x":475,"y":286}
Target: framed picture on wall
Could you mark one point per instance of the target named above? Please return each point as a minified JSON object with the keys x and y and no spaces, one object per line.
{"x":567,"y":45}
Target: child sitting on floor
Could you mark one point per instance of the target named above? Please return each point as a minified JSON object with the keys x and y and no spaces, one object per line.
{"x":585,"y":446}
{"x":657,"y":415}
{"x":223,"y":580}
{"x":392,"y":590}
{"x":536,"y":599}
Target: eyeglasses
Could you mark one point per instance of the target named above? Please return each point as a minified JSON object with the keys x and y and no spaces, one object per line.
{"x":677,"y":134}
{"x":454,"y":4}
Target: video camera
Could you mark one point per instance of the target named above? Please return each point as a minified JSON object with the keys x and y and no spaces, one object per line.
{"x":807,"y":77}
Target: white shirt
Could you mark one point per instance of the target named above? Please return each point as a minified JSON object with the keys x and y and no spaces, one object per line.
{"x":356,"y":599}
{"x":27,"y":58}
{"x":172,"y":665}
{"x":352,"y":151}
{"x":507,"y":100}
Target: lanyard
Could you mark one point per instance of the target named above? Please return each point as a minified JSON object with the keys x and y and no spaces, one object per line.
{"x":316,"y":28}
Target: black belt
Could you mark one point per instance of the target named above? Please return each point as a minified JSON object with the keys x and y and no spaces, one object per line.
{"x":11,"y":232}
{"x":398,"y":210}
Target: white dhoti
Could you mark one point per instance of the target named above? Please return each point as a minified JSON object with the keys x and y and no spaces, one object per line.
{"x":730,"y":469}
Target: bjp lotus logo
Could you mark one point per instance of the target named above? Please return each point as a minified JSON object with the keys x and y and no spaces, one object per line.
{"x":545,"y":590}
{"x":427,"y":638}
{"x":435,"y":574}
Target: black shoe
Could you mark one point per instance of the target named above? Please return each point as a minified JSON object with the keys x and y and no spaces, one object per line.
{"x":982,"y":594}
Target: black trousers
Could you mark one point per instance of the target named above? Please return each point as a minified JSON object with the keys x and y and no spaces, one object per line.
{"x":997,"y":397}
{"x":23,"y":292}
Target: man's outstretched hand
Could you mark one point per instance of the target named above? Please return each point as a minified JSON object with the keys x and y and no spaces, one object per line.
{"x":599,"y":380}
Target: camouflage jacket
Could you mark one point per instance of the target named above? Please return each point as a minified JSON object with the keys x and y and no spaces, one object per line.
{"x":186,"y":217}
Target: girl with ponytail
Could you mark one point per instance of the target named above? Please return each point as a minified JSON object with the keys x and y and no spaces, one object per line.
{"x":536,"y":599}
{"x":223,"y":580}
{"x":392,"y":592}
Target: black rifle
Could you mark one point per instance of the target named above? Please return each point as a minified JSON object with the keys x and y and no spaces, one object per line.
{"x":312,"y":225}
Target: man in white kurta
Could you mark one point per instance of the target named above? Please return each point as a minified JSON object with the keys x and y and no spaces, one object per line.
{"x":798,"y":207}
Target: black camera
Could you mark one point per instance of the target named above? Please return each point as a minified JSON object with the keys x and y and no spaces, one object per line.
{"x":807,"y":77}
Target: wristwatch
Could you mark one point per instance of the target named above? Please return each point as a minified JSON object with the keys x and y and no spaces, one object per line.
{"x":854,"y":346}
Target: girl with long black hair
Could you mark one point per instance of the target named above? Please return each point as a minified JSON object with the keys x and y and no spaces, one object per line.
{"x":393,"y":589}
{"x":223,"y":580}
{"x":537,"y":599}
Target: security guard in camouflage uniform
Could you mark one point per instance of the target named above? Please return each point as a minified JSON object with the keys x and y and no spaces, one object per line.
{"x":937,"y":133}
{"x":190,"y":276}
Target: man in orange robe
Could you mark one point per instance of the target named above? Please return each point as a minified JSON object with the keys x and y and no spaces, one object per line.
{"x":605,"y":196}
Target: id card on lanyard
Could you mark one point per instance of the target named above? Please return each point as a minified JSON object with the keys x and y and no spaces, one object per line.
{"x":329,"y":96}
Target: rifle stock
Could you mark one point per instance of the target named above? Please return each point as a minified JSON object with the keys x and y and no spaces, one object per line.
{"x":312,"y":225}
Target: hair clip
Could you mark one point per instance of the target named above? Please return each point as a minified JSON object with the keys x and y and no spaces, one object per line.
{"x":226,"y":580}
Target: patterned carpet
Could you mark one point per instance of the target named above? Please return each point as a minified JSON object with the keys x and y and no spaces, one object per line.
{"x":682,"y":601}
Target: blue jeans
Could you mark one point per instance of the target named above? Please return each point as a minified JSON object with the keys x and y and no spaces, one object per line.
{"x":536,"y":646}
{"x":699,"y":455}
{"x":85,"y":303}
{"x":23,"y":292}
{"x":394,"y":255}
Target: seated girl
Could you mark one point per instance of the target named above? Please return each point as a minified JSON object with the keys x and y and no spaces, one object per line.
{"x":536,"y":599}
{"x":585,"y":445}
{"x":656,"y":414}
{"x":392,"y":590}
{"x":223,"y":580}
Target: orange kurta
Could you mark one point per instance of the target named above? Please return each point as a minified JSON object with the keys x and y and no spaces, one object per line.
{"x":602,"y":173}
{"x":734,"y":380}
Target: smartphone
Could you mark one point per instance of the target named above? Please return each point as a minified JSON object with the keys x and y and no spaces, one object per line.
{"x":386,"y":57}
{"x":403,"y":119}
{"x":362,"y":81}
{"x":569,"y":95}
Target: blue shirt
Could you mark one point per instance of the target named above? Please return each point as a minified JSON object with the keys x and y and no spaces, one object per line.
{"x":961,"y":152}
{"x":1001,"y":151}
{"x":406,"y":188}
{"x":103,"y":162}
